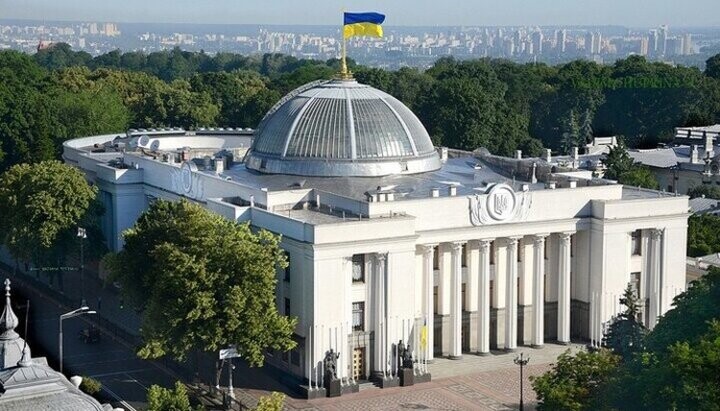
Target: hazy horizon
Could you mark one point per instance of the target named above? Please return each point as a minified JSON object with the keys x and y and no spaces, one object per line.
{"x":639,"y":13}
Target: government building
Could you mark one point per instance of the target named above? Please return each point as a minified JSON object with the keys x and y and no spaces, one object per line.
{"x":390,"y":238}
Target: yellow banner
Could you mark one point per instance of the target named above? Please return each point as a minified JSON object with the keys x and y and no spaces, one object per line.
{"x":362,"y":29}
{"x":423,"y":337}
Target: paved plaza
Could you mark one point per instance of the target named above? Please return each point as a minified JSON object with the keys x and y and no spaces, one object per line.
{"x":473,"y":383}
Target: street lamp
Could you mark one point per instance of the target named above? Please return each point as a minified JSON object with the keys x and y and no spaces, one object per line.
{"x":522,"y":361}
{"x":82,"y":235}
{"x":74,"y":313}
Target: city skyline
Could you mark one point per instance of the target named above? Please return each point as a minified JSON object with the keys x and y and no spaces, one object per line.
{"x":642,"y":13}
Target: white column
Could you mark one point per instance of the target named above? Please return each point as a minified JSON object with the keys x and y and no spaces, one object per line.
{"x":428,"y":279}
{"x":456,"y":302}
{"x":538,"y":293}
{"x":380,"y":326}
{"x":654,"y":276}
{"x":511,"y":295}
{"x":484,"y":298}
{"x":564,"y":288}
{"x":347,"y":331}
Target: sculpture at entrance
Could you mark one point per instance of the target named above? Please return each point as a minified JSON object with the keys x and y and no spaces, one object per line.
{"x":330,"y":364}
{"x":332,"y":383}
{"x":404,"y":356}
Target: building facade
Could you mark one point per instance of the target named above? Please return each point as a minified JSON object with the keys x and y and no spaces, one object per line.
{"x":390,"y":239}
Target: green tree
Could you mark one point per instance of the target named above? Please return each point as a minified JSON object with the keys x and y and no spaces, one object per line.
{"x":626,"y":335}
{"x":165,"y":399}
{"x":639,"y":176}
{"x":571,"y":135}
{"x":38,"y":202}
{"x":90,"y":386}
{"x":203,"y":282}
{"x":89,"y":112}
{"x":692,"y":311}
{"x":272,"y":402}
{"x":617,"y":161}
{"x":702,"y":190}
{"x":26,"y":122}
{"x":703,"y":235}
{"x":695,"y":367}
{"x":712,"y":67}
{"x":61,"y":55}
{"x":678,"y":369}
{"x":240,"y":95}
{"x":586,"y":130}
{"x":574,"y":380}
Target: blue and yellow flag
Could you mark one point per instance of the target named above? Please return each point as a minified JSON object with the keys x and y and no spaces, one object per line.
{"x":363,"y":24}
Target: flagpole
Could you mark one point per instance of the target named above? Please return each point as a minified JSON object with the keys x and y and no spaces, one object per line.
{"x":343,"y":60}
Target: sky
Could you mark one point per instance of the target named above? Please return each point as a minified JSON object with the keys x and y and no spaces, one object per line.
{"x":634,"y":13}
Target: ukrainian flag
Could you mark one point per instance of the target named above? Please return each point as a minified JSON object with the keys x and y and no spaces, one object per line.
{"x":363,"y":24}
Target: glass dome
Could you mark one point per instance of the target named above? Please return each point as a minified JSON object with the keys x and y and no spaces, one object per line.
{"x":341,"y":128}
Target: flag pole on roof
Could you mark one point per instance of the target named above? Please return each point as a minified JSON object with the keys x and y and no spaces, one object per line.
{"x":358,"y":24}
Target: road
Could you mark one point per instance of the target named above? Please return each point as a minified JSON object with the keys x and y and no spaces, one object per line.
{"x":125,"y":378}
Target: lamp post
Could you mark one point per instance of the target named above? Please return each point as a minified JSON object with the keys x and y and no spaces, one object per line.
{"x":522,"y":361}
{"x":82,"y":235}
{"x":74,"y":313}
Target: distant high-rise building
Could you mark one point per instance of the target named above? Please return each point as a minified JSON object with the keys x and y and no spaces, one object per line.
{"x":508,"y":47}
{"x":687,"y":47}
{"x":644,"y":46}
{"x":673,"y":46}
{"x":562,"y":40}
{"x":653,"y":42}
{"x":663,"y":39}
{"x":110,"y":30}
{"x":518,"y":37}
{"x":537,"y":42}
{"x":93,"y":29}
{"x":590,"y":43}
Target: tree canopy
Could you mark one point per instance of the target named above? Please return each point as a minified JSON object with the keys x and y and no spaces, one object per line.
{"x":676,"y":366}
{"x":626,"y":335}
{"x":575,"y":381}
{"x":703,"y":235}
{"x":169,"y":399}
{"x":59,"y":93}
{"x":38,"y":202}
{"x":203,"y":282}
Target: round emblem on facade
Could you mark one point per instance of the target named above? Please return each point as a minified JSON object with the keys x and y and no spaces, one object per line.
{"x":501,"y":202}
{"x":186,"y":176}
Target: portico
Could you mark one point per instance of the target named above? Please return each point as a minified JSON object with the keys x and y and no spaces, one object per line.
{"x":487,"y":278}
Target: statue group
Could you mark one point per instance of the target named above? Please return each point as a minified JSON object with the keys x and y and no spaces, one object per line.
{"x":404,"y":356}
{"x":332,"y":383}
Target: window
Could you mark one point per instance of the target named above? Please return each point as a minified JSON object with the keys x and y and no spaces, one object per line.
{"x":492,"y":295}
{"x":520,"y":250}
{"x":436,"y":258}
{"x":464,"y":301}
{"x":287,"y":306}
{"x":295,"y":357}
{"x":358,"y":316}
{"x":435,"y":299}
{"x":286,"y":273}
{"x":636,"y":242}
{"x":547,"y":247}
{"x":635,"y":283}
{"x":464,"y":255}
{"x":358,"y":268}
{"x":284,"y":356}
{"x":492,"y":252}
